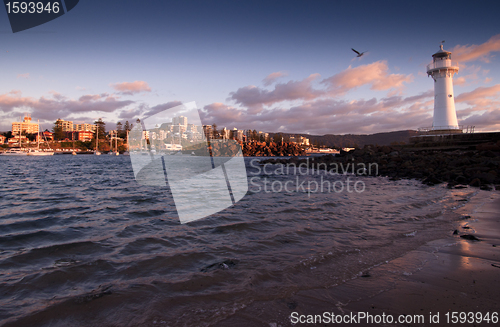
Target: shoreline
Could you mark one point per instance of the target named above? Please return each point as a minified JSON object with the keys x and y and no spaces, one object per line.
{"x":449,"y":274}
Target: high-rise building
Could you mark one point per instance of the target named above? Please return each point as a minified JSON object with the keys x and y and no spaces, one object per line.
{"x":84,"y":127}
{"x":67,"y":126}
{"x":180,"y":120}
{"x":207,"y":129}
{"x":24,"y":127}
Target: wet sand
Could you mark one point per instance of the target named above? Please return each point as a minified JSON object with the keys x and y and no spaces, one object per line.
{"x":446,"y":275}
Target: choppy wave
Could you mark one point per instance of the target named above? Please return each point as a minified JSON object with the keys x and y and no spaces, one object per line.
{"x":78,"y":235}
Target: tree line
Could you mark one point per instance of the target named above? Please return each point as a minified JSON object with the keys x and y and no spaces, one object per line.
{"x":59,"y":134}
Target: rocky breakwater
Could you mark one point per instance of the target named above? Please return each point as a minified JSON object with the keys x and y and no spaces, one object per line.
{"x":263,"y":149}
{"x":479,"y":167}
{"x":250,"y":149}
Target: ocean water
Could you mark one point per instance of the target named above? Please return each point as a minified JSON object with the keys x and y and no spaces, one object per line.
{"x":82,"y":243}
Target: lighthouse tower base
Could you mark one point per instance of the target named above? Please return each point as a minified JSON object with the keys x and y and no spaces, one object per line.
{"x":444,"y":131}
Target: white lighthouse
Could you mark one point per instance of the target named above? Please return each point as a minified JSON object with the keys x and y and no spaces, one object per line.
{"x":442,"y":70}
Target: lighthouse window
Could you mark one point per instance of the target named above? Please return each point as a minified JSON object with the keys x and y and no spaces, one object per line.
{"x":449,"y":95}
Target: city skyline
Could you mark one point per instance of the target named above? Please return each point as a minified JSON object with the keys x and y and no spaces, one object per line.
{"x":274,"y":67}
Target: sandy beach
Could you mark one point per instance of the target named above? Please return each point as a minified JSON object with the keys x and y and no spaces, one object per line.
{"x":451,"y":274}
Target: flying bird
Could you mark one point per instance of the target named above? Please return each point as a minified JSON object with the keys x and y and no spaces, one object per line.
{"x":358,"y":53}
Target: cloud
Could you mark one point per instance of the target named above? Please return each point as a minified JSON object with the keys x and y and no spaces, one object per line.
{"x":375,"y":74}
{"x":255,"y":97}
{"x":300,"y":107}
{"x":271,"y":78}
{"x":468,"y":79}
{"x":143,"y":110}
{"x":329,"y":115}
{"x":25,"y":76}
{"x":482,"y":108}
{"x":58,"y":106}
{"x":130,"y":88}
{"x":479,"y":95}
{"x":465,"y":53}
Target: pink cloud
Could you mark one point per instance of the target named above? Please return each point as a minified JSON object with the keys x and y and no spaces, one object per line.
{"x":271,"y":78}
{"x":329,"y":116}
{"x":58,"y":106}
{"x":130,"y":88}
{"x":482,"y":111}
{"x":375,"y":74}
{"x":464,"y":53}
{"x":25,"y":76}
{"x":479,"y":94}
{"x":254,"y":97}
{"x":471,"y":78}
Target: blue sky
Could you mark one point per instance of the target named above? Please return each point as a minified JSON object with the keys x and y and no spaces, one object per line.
{"x":122,"y":59}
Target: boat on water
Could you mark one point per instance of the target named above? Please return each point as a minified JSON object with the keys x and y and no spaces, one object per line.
{"x":15,"y":152}
{"x":38,"y":151}
{"x":115,"y":152}
{"x":96,"y":152}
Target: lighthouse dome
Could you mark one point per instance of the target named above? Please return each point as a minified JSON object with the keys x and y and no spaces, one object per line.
{"x":442,"y":54}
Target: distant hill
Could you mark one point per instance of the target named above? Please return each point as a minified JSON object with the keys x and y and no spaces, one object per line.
{"x":352,"y":140}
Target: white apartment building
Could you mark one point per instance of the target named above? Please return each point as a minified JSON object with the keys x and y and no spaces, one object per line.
{"x":24,"y":127}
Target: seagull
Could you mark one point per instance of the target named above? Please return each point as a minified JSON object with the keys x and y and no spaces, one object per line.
{"x":358,"y":54}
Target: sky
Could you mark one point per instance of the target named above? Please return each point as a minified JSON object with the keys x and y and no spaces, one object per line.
{"x":272,"y":66}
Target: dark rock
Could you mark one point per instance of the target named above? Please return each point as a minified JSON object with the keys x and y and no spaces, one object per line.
{"x":291,"y":305}
{"x":431,"y":180}
{"x":485,"y":178}
{"x":475,"y":182}
{"x":458,"y":187}
{"x":461,"y":180}
{"x":394,"y":154}
{"x":455,"y":232}
{"x":469,"y":237}
{"x":485,"y":187}
{"x":385,"y":149}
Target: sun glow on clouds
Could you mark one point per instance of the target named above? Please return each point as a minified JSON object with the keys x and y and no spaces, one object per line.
{"x":56,"y":106}
{"x":25,"y":76}
{"x":302,"y":106}
{"x":130,"y":88}
{"x":322,"y":110}
{"x":313,"y":104}
{"x":271,"y":78}
{"x":465,"y":53}
{"x":376,"y":75}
